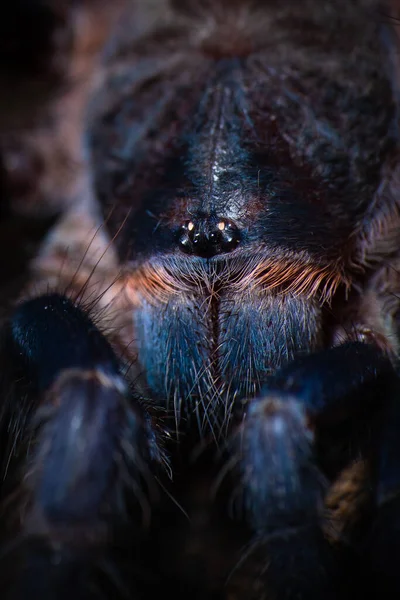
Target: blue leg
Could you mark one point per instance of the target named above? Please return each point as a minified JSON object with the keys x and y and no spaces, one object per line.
{"x":282,"y":472}
{"x":78,"y":459}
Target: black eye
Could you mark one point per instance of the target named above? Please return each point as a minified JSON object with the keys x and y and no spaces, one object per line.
{"x":202,"y":238}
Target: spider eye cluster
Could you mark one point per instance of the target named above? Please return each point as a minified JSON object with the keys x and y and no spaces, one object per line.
{"x":205,"y":239}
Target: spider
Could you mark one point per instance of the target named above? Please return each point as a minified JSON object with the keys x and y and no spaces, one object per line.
{"x":199,"y":373}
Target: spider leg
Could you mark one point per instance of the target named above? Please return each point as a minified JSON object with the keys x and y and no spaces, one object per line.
{"x":78,"y":458}
{"x":283,"y":477}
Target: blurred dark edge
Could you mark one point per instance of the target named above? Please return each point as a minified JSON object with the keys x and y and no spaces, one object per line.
{"x":27,"y":31}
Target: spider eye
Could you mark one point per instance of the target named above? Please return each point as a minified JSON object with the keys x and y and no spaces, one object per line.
{"x":205,"y":239}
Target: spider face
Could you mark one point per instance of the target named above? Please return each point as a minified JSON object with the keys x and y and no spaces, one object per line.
{"x":210,"y":332}
{"x":200,"y":378}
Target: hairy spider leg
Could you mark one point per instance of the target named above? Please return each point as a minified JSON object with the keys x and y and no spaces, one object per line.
{"x":336,"y":393}
{"x":78,"y":456}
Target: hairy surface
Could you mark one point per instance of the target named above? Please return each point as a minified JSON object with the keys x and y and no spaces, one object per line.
{"x":223,"y":177}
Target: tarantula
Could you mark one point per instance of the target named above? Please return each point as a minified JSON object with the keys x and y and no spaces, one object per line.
{"x":199,"y":376}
